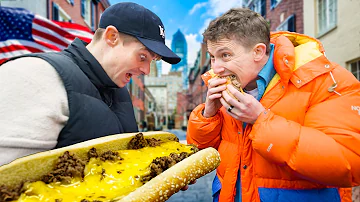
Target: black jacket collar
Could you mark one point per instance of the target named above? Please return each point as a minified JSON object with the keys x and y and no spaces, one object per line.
{"x":88,"y":64}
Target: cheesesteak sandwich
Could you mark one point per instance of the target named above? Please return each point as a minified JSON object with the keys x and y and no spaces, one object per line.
{"x":231,"y":79}
{"x":149,"y":166}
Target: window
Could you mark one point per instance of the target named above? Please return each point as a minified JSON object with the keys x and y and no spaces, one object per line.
{"x":287,"y":25}
{"x":327,"y":17}
{"x":259,"y":6}
{"x":86,"y":11}
{"x":59,"y":14}
{"x":71,"y":2}
{"x":355,"y":68}
{"x":274,"y":3}
{"x":55,"y":11}
{"x":92,"y":16}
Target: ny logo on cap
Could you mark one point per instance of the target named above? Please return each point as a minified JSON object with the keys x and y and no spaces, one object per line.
{"x":162,"y":32}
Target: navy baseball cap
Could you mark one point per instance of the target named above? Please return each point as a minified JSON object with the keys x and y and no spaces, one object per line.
{"x":135,"y":20}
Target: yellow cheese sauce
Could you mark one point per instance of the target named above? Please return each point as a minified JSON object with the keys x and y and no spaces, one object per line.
{"x":103,"y":181}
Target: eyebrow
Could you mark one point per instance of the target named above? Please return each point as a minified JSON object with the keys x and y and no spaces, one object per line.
{"x":152,"y":54}
{"x":220,"y":50}
{"x":223,"y":49}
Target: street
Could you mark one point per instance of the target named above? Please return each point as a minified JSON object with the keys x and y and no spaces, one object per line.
{"x":198,"y":192}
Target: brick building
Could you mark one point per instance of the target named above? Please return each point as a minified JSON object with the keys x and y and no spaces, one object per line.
{"x":196,"y":94}
{"x":281,"y":14}
{"x":83,"y":12}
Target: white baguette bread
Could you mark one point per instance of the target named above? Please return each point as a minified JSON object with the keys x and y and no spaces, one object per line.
{"x":173,"y":179}
{"x":33,"y":167}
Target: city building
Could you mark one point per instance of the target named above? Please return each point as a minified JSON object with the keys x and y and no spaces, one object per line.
{"x":159,"y":68}
{"x":196,"y":94}
{"x":151,"y":116}
{"x":83,"y":12}
{"x":154,"y":69}
{"x":160,"y":94}
{"x":285,"y":15}
{"x":337,"y":26}
{"x":179,"y":46}
{"x":165,"y":91}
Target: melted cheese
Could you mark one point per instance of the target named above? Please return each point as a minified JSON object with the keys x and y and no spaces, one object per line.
{"x":104,"y":181}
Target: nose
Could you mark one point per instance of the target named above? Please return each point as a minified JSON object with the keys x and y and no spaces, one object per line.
{"x":217,"y":66}
{"x":145,"y":69}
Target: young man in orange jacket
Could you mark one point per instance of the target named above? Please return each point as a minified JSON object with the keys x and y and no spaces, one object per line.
{"x":294,"y":134}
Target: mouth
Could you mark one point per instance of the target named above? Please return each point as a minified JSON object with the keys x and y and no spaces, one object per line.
{"x":128,"y":76}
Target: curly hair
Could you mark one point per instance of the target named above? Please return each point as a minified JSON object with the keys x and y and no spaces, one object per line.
{"x":245,"y":25}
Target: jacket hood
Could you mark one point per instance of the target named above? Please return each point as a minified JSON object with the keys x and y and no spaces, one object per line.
{"x":305,"y":48}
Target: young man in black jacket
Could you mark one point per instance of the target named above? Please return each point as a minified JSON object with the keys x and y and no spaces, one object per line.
{"x":52,"y":100}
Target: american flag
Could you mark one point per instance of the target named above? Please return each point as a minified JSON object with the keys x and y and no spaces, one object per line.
{"x":22,"y":31}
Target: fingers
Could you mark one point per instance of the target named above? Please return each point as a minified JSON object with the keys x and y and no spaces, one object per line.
{"x":216,"y":82}
{"x":193,"y":182}
{"x":227,"y":106}
{"x":240,"y":96}
{"x":185,"y":188}
{"x":230,"y":100}
{"x":216,"y":91}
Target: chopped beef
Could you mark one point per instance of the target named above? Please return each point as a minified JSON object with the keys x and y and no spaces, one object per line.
{"x":160,"y":164}
{"x":110,"y":156}
{"x":137,"y":142}
{"x":153,"y":142}
{"x":194,"y":148}
{"x":85,"y":200}
{"x":176,"y":139}
{"x":102,"y":174}
{"x":92,"y":153}
{"x":9,"y":194}
{"x":68,"y":166}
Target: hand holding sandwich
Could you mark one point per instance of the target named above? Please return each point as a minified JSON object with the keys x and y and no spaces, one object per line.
{"x":212,"y":103}
{"x":245,"y":107}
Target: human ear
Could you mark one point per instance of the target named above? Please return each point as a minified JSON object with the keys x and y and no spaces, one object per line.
{"x":111,"y":36}
{"x":259,"y":51}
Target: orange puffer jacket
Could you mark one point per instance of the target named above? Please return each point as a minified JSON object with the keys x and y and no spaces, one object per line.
{"x":307,"y":138}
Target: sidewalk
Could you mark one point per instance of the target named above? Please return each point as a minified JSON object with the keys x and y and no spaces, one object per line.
{"x":198,"y":192}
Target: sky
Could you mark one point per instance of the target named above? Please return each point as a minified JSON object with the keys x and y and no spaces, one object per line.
{"x":190,"y":16}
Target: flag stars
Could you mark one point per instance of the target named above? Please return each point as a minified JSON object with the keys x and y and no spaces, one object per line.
{"x":15,"y":24}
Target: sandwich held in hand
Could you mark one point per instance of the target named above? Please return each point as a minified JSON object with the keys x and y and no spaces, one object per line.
{"x":231,"y":79}
{"x":148,"y":166}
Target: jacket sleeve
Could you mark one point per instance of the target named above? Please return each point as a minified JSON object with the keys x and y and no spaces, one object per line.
{"x":204,"y":132}
{"x":325,"y":149}
{"x":33,"y":108}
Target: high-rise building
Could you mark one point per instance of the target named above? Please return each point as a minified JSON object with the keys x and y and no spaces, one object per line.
{"x":179,"y":46}
{"x":159,"y":68}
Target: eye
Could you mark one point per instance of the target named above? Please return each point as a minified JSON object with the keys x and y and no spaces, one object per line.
{"x":142,"y":57}
{"x":226,"y":55}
